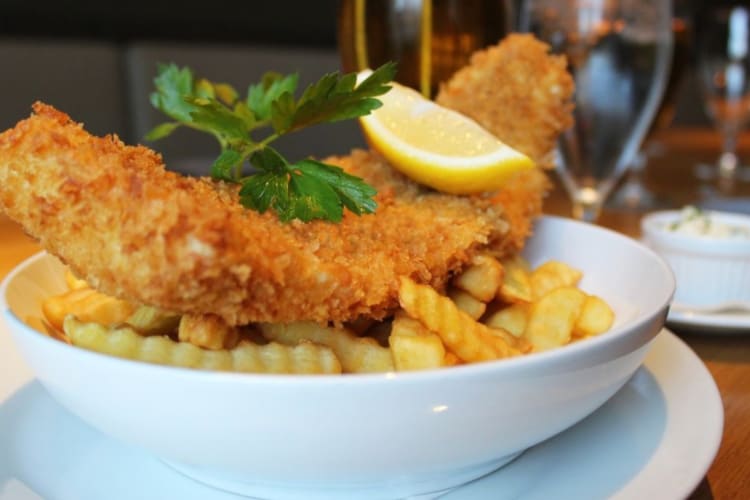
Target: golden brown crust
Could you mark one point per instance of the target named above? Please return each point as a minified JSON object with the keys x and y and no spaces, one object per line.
{"x":523,"y":95}
{"x":137,"y":231}
{"x":517,"y":91}
{"x":522,"y":199}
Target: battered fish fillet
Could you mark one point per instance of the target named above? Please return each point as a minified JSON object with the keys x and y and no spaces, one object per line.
{"x":523,"y":95}
{"x":139,"y":232}
{"x":517,"y":91}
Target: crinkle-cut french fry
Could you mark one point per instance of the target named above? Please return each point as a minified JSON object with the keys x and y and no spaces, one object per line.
{"x":516,"y":285}
{"x":208,"y":331}
{"x":451,"y":359}
{"x":74,"y":282}
{"x":482,"y":278}
{"x":41,"y":325}
{"x":553,"y":274}
{"x":596,"y":317}
{"x":467,"y":302}
{"x":149,"y":320}
{"x":413,"y":346}
{"x":88,"y":305}
{"x":520,"y":343}
{"x":470,"y":340}
{"x":512,"y":318}
{"x":356,"y":354}
{"x":552,"y":318}
{"x":125,"y":342}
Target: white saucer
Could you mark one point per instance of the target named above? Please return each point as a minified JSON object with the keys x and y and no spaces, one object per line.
{"x":725,"y":322}
{"x":640,"y":444}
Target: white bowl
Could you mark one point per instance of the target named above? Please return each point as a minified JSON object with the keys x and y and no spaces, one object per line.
{"x":711,"y":272}
{"x":364,"y":436}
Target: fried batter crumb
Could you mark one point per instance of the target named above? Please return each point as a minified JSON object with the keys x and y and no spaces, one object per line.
{"x":517,"y":91}
{"x":137,"y":231}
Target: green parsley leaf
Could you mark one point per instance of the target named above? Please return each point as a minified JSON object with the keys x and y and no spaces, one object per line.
{"x":226,"y":93}
{"x":352,"y":191}
{"x":304,"y":190}
{"x":261,"y":96}
{"x":265,"y":190}
{"x":333,"y":99}
{"x":172,"y":86}
{"x":312,"y":199}
{"x":161,"y":131}
{"x":213,"y":117}
{"x":226,"y":165}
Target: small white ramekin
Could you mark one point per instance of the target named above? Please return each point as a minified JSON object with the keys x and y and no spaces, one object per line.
{"x":711,"y":272}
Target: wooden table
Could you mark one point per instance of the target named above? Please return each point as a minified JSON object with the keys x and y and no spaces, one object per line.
{"x":727,"y":357}
{"x":670,"y":177}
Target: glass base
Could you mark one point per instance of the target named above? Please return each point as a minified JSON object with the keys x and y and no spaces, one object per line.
{"x":710,"y":172}
{"x":636,"y":197}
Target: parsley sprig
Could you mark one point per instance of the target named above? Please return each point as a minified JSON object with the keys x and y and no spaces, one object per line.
{"x":306,"y":189}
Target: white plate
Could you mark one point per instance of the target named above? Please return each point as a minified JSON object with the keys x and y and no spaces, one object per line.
{"x":640,"y":444}
{"x":736,"y":321}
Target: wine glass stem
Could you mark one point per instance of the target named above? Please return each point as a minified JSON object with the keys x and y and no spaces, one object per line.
{"x":586,"y":211}
{"x":728,"y":160}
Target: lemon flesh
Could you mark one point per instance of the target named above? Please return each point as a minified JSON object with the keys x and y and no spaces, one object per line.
{"x":438,"y":147}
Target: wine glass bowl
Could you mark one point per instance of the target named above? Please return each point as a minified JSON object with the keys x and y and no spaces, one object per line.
{"x":724,"y":68}
{"x":682,"y":41}
{"x":618,"y":52}
{"x":634,"y":193}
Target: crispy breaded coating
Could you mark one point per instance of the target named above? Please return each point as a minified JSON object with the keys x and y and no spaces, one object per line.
{"x":522,"y":199}
{"x":517,"y":91}
{"x":139,"y":232}
{"x":523,"y":95}
{"x":136,"y":231}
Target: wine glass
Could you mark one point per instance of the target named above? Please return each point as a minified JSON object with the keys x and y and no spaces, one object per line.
{"x":619,"y":53}
{"x":634,"y":194}
{"x":724,"y":67}
{"x":430,"y":39}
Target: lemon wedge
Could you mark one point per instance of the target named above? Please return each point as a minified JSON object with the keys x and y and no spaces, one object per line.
{"x":439,"y":147}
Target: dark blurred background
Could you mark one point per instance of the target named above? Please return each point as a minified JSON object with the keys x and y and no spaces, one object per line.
{"x":288,"y":22}
{"x":96,"y":61}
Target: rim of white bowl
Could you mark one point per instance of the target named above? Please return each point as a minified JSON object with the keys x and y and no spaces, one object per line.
{"x":518,"y":365}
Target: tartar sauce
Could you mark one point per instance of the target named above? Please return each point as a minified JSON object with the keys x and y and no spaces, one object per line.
{"x":695,"y":222}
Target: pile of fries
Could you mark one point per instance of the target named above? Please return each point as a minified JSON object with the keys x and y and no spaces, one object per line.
{"x":494,"y":309}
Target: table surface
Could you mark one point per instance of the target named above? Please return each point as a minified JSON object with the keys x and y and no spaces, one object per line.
{"x":669,"y":174}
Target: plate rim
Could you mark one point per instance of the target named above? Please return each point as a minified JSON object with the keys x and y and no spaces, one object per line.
{"x":711,"y":322}
{"x":665,"y":344}
{"x":711,"y":406}
{"x":648,"y":482}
